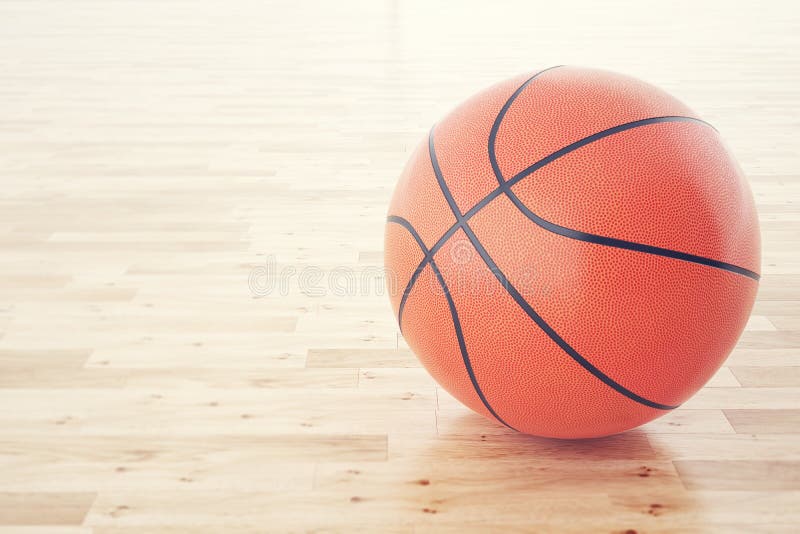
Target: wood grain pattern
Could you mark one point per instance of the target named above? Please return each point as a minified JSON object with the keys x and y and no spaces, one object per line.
{"x":193,"y":336}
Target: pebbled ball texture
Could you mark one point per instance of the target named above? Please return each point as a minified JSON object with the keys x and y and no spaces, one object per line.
{"x":572,"y":253}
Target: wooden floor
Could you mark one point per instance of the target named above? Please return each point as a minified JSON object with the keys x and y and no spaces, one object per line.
{"x":158,"y":158}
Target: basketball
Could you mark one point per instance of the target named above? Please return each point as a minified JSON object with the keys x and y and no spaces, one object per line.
{"x":572,"y":253}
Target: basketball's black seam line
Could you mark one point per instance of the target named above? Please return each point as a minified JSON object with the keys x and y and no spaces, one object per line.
{"x":627,"y":245}
{"x":668,"y":253}
{"x":520,"y":300}
{"x":405,"y":223}
{"x":502,"y":113}
{"x":585,"y":236}
{"x":408,"y":226}
{"x":552,"y":334}
{"x":437,"y":171}
{"x":462,"y":345}
{"x":428,"y":257}
{"x":596,"y":137}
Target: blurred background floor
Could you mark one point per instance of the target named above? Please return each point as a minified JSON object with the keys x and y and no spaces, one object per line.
{"x":158,"y":158}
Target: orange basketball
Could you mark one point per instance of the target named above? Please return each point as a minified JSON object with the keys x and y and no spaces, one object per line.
{"x":572,"y":253}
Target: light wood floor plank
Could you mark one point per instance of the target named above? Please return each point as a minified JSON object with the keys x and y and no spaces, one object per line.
{"x":744,"y":475}
{"x":765,"y":421}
